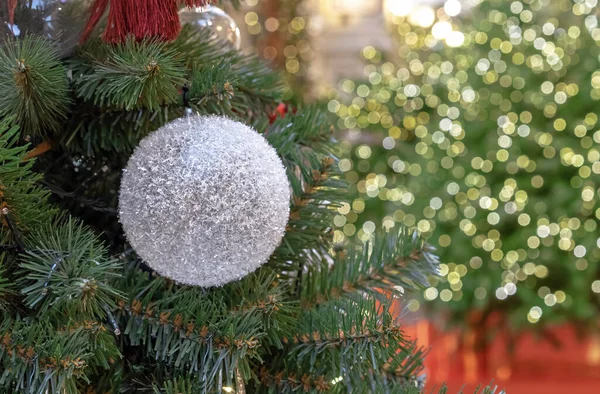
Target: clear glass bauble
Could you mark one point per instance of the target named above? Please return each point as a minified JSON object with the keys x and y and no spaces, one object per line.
{"x":61,"y":21}
{"x":220,"y":23}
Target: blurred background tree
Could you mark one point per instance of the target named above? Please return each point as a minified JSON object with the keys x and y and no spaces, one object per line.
{"x":475,"y":122}
{"x":486,"y":130}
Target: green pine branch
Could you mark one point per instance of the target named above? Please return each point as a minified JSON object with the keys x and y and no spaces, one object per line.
{"x":211,"y":91}
{"x":396,"y":258}
{"x":209,"y":333}
{"x":91,"y":321}
{"x":256,"y":86}
{"x":7,"y":289}
{"x":308,"y":129}
{"x":304,"y":142}
{"x":346,"y":342}
{"x":65,"y":269}
{"x":133,"y":76}
{"x":20,"y":194}
{"x":130,"y":90}
{"x":33,"y":85}
{"x":105,"y":131}
{"x":317,"y":191}
{"x":36,"y":357}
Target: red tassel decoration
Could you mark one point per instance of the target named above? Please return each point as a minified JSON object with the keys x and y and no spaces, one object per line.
{"x":141,"y":19}
{"x":138,"y":17}
{"x":12,"y":5}
{"x":97,"y":10}
{"x":116,"y":28}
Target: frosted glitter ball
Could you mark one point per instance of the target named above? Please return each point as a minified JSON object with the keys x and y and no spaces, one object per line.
{"x":204,"y":200}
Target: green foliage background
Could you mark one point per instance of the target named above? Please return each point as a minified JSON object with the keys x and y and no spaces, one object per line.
{"x":491,"y":151}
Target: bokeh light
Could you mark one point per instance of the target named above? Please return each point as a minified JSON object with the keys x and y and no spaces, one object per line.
{"x":483,"y":134}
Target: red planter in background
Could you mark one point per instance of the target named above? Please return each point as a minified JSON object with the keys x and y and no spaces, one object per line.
{"x":536,"y":366}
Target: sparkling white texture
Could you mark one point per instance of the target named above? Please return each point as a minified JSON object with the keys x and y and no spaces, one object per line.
{"x":204,"y":200}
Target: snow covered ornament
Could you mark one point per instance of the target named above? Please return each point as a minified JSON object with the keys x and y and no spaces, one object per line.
{"x":204,"y":200}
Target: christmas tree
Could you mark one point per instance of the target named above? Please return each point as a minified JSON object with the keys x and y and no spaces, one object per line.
{"x":487,"y":128}
{"x":87,"y":307}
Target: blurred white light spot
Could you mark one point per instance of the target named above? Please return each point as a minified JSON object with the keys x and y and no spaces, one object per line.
{"x":400,"y":7}
{"x":579,"y":251}
{"x":435,"y":203}
{"x":446,"y":124}
{"x":452,"y":7}
{"x":423,"y":16}
{"x":455,"y":39}
{"x":550,"y":299}
{"x":441,"y":30}
{"x":411,"y":90}
{"x":510,"y":288}
{"x":485,"y":202}
{"x":399,"y":166}
{"x":431,"y":293}
{"x":369,"y":227}
{"x":501,"y":293}
{"x":510,"y":208}
{"x":535,"y":312}
{"x":543,"y":231}
{"x":389,"y":143}
{"x":468,"y":95}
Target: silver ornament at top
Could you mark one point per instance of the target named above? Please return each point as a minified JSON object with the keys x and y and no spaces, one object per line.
{"x":61,"y":21}
{"x":204,"y":200}
{"x":220,"y":23}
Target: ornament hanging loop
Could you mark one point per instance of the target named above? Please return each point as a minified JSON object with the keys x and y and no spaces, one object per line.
{"x":185,"y":95}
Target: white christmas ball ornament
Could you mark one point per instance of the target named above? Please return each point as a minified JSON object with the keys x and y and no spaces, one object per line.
{"x":204,"y":200}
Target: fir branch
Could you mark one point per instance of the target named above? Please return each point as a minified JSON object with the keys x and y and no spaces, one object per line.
{"x":183,"y":345}
{"x":7,"y":290}
{"x":285,"y":383}
{"x":68,"y":270}
{"x":210,"y":89}
{"x":345,"y":324}
{"x":19,"y":191}
{"x":148,"y":315}
{"x":134,"y":76}
{"x":211,"y":334}
{"x":222,"y":82}
{"x":37,"y":357}
{"x":355,"y":340}
{"x":33,"y":85}
{"x":306,"y":129}
{"x":396,"y":258}
{"x":93,"y":131}
{"x":267,"y":296}
{"x":304,"y":143}
{"x":317,"y":191}
{"x":177,"y":386}
{"x":255,"y":84}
